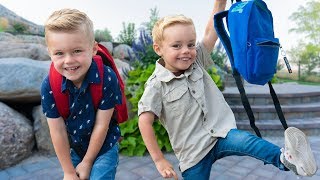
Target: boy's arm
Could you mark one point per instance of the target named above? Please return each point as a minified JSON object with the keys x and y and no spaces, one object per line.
{"x":61,"y":146}
{"x":210,"y":36}
{"x":145,"y":125}
{"x":97,"y":138}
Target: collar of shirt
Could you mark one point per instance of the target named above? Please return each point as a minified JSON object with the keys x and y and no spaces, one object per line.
{"x":193,"y":72}
{"x":92,"y":76}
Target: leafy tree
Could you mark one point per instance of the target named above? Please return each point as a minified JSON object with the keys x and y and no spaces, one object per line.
{"x":103,"y":35}
{"x":128,"y":34}
{"x":307,"y":19}
{"x":307,"y":52}
{"x":310,"y":58}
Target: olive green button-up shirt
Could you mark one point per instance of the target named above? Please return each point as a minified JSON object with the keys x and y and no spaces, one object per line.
{"x":190,"y":107}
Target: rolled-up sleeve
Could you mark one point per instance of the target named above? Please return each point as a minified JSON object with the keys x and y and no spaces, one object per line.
{"x":151,"y":100}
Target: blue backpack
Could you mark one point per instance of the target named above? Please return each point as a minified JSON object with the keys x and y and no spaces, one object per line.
{"x":251,"y":47}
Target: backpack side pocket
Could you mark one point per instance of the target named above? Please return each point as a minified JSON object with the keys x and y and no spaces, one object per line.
{"x":264,"y":56}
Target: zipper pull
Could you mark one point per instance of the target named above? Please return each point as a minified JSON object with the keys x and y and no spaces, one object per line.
{"x":283,"y":53}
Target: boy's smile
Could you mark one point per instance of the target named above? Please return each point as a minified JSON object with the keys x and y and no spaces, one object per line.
{"x":71,"y":54}
{"x":178,"y":48}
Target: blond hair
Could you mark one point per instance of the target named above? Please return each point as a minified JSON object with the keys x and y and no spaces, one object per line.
{"x":69,"y":20}
{"x":161,"y":24}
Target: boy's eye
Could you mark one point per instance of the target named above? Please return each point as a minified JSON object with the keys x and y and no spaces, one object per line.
{"x":191,"y":45}
{"x":177,"y":46}
{"x":58,"y":54}
{"x":77,"y":51}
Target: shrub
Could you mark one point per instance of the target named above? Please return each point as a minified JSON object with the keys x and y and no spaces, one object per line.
{"x":103,"y":35}
{"x":128,"y":33}
{"x":19,"y":28}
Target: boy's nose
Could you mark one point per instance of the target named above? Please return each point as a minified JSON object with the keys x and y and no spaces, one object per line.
{"x":68,"y":59}
{"x":185,"y":49}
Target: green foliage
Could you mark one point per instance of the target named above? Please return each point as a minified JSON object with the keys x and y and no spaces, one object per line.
{"x":103,"y":35}
{"x":307,"y":20}
{"x":307,"y":53}
{"x":213,"y":72}
{"x":128,"y":34}
{"x":19,"y":28}
{"x":219,"y":58}
{"x":132,"y":143}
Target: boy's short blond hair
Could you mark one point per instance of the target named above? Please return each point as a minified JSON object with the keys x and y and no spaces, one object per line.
{"x":161,"y":24}
{"x":69,"y":20}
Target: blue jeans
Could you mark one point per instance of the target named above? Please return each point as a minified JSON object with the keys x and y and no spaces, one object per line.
{"x":105,"y":165}
{"x":239,"y":143}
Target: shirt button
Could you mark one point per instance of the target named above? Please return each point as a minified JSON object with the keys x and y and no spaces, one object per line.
{"x":193,"y":91}
{"x":204,"y":119}
{"x":212,"y":131}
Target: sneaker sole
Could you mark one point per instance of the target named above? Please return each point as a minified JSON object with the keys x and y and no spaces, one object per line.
{"x":297,"y":142}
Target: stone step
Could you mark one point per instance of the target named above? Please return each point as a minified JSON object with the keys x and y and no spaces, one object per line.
{"x":310,"y":126}
{"x":261,"y":112}
{"x":287,"y":94}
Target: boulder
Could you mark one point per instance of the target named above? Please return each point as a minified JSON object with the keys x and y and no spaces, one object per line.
{"x":21,"y":78}
{"x":16,"y":137}
{"x":41,"y":131}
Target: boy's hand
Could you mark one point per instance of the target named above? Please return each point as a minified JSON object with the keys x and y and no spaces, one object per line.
{"x":166,"y":169}
{"x":83,"y":170}
{"x":68,"y":176}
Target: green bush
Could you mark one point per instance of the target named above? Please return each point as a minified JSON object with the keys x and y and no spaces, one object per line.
{"x":19,"y":28}
{"x":132,"y":143}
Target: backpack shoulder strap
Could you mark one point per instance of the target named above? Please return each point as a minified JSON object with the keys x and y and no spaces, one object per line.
{"x":107,"y":59}
{"x":61,"y":99}
{"x":96,"y":88}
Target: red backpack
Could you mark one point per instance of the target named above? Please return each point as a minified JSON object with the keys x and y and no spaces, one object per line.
{"x":103,"y":57}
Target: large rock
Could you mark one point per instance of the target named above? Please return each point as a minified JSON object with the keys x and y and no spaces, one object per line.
{"x":16,"y":137}
{"x":26,"y":50}
{"x":108,"y":45}
{"x":21,"y":78}
{"x":41,"y":131}
{"x":123,"y":52}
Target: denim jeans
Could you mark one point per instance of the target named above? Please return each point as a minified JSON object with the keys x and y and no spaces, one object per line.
{"x":239,"y":143}
{"x":105,"y":165}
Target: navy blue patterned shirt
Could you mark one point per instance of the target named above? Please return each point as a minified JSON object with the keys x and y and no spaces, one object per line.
{"x":82,"y":116}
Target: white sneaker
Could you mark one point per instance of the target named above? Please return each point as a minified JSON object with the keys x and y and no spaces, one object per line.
{"x":297,"y":155}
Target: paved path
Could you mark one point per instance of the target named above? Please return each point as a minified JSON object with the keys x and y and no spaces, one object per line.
{"x":40,"y":167}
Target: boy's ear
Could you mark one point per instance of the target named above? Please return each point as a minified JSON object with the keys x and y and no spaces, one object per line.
{"x":95,"y":48}
{"x":156,"y":48}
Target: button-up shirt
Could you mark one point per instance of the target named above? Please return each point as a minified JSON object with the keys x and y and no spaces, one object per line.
{"x":82,"y":116}
{"x":190,"y":107}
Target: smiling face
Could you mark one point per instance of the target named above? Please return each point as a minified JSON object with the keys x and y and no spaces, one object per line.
{"x":177,"y":48}
{"x":71,"y":54}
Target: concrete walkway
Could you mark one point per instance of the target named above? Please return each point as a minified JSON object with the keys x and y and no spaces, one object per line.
{"x":40,"y":167}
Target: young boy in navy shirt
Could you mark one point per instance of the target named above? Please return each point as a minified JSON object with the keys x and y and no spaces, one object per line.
{"x":86,"y":143}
